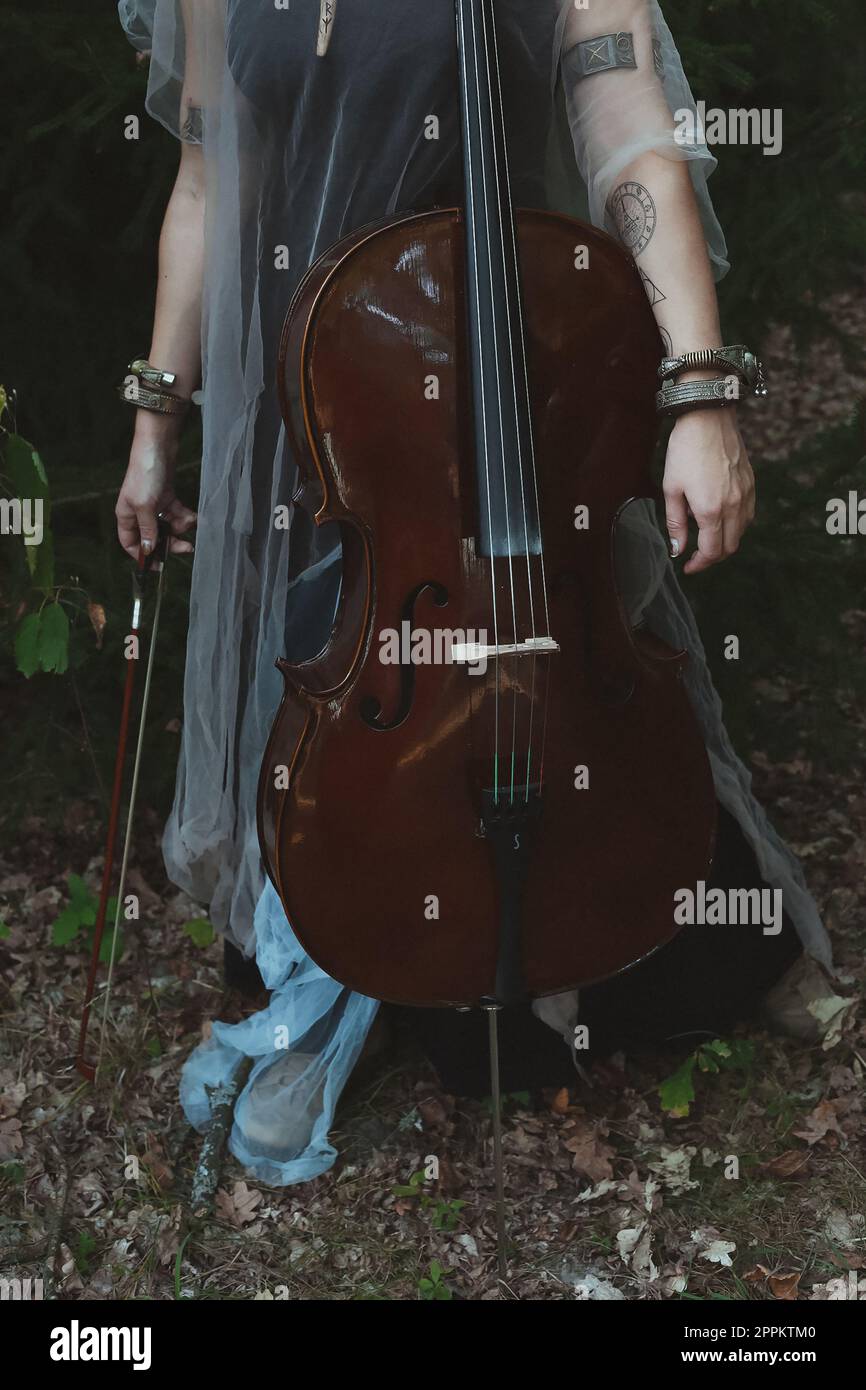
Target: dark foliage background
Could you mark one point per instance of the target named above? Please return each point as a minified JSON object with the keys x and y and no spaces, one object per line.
{"x":82,"y":208}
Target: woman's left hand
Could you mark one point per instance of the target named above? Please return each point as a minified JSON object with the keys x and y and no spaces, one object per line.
{"x":707,"y":473}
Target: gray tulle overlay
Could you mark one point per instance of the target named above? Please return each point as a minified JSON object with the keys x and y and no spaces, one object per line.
{"x":298,"y":151}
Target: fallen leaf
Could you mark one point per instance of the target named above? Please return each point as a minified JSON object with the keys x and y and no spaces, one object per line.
{"x":559,"y":1104}
{"x":787,"y":1164}
{"x":238,"y":1206}
{"x":820,"y":1123}
{"x":785,"y":1285}
{"x":718,"y":1252}
{"x":673,"y":1167}
{"x":96,"y":614}
{"x":591,"y":1288}
{"x":590,"y":1155}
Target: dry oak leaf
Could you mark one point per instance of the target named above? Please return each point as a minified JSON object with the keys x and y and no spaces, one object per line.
{"x":559,"y":1103}
{"x":786,"y":1165}
{"x":238,"y":1206}
{"x":590,"y":1155}
{"x":153,"y":1159}
{"x":819,"y":1123}
{"x":434,"y":1107}
{"x":96,"y":614}
{"x":785,"y":1286}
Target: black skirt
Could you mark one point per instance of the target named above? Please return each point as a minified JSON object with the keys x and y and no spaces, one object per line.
{"x":695,"y":987}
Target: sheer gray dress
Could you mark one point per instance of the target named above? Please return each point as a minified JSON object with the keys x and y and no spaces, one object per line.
{"x":300,"y":149}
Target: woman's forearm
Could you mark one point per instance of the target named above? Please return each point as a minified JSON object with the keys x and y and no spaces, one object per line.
{"x":147,"y":490}
{"x":656,"y":215}
{"x":650,"y":202}
{"x":176,"y":341}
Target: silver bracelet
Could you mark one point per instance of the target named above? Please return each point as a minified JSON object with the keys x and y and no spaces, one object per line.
{"x":739,"y":360}
{"x":142,"y":398}
{"x":675,"y":399}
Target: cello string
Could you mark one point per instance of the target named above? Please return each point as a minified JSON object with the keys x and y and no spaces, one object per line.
{"x":471,"y":218}
{"x":534,"y":473}
{"x":492,"y":48}
{"x":495,"y":337}
{"x":489,"y":42}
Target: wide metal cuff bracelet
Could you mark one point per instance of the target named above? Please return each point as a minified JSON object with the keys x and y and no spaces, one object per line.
{"x":134,"y":394}
{"x":675,"y":399}
{"x":739,"y":360}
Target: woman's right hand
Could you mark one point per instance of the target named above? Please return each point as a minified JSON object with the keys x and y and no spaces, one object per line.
{"x":148,"y":489}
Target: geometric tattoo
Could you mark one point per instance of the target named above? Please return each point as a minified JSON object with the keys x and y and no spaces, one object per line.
{"x":192,"y":129}
{"x":632,"y":212}
{"x":654,"y":294}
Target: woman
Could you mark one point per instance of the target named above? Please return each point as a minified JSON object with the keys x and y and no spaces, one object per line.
{"x":284,"y":150}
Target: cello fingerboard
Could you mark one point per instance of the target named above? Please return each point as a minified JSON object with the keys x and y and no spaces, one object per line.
{"x":507,"y":495}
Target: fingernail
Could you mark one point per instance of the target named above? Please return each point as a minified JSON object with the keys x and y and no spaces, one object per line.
{"x":147,"y":546}
{"x":673,"y":547}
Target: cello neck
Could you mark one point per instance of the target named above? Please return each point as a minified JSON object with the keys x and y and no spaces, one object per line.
{"x":507,"y":504}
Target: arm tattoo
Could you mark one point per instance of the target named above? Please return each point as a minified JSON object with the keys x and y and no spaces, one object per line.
{"x":192,"y":130}
{"x":632,"y":212}
{"x":607,"y":53}
{"x":603,"y":54}
{"x":654,"y":294}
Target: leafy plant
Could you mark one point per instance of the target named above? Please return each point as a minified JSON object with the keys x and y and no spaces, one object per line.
{"x":79,"y":916}
{"x":444,"y":1214}
{"x":433,"y":1286}
{"x":38,"y":606}
{"x":85,"y":1248}
{"x":200,"y":931}
{"x":677,"y":1092}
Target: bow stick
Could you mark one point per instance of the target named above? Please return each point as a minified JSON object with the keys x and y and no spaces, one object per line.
{"x":148,"y":564}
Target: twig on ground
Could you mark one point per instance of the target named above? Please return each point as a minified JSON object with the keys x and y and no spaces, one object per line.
{"x":207,"y":1173}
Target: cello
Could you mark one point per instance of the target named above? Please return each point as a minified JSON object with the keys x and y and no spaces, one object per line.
{"x":487,"y":818}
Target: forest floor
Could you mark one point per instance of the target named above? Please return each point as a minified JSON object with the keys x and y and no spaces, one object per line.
{"x":612,"y":1194}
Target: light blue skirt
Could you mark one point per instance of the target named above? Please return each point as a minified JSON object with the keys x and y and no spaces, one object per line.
{"x":305,"y":1043}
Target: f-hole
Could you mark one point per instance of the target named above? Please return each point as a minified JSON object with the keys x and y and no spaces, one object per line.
{"x":370,"y":708}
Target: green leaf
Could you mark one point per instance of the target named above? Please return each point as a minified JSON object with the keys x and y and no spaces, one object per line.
{"x":86,"y":1247}
{"x":105,"y":944}
{"x":715,"y":1056}
{"x":742,"y":1054}
{"x":79,"y":912}
{"x":40,"y":561}
{"x":677,"y":1092}
{"x":67,"y":927}
{"x":433,"y":1286}
{"x":27,"y":644}
{"x":84,"y":900}
{"x":54,"y":639}
{"x":200,"y":931}
{"x":5,"y":931}
{"x":23,"y":467}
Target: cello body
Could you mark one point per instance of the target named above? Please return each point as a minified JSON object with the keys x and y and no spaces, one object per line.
{"x":407,"y":866}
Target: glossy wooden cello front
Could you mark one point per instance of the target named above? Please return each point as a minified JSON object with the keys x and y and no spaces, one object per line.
{"x":471,"y":398}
